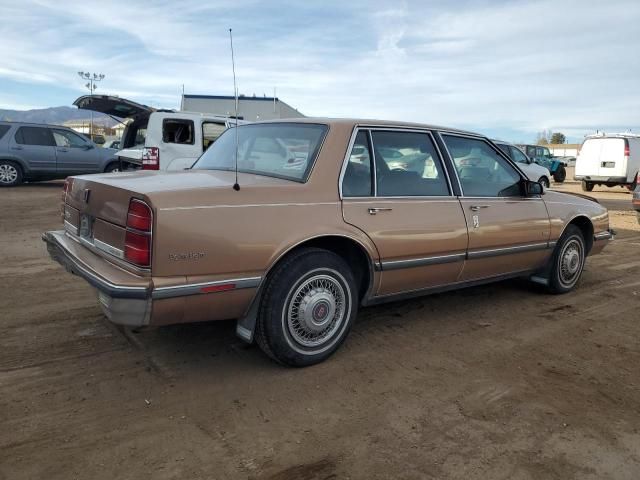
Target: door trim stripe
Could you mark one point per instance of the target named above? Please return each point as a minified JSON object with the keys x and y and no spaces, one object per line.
{"x":421,"y":262}
{"x":457,"y":257}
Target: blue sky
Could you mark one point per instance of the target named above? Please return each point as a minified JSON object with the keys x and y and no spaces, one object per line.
{"x":507,"y":69}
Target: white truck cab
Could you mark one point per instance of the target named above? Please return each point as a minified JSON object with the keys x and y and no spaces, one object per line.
{"x":609,"y":159}
{"x":158,"y":139}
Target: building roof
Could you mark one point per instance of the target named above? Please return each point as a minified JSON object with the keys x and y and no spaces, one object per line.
{"x":231,"y":97}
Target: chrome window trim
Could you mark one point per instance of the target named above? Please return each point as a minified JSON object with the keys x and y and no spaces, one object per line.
{"x":383,"y":128}
{"x":372,"y":154}
{"x":195,"y":288}
{"x":493,"y":147}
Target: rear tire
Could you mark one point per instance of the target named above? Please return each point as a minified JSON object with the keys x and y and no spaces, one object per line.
{"x":308,"y":307}
{"x":587,"y":186}
{"x":560,"y":174}
{"x":567,"y":261}
{"x":10,"y":174}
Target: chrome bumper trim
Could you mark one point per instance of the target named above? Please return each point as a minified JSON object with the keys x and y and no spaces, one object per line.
{"x":606,"y":235}
{"x":75,"y":266}
{"x":196,"y":288}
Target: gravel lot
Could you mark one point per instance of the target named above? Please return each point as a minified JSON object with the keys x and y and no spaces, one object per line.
{"x":500,"y":381}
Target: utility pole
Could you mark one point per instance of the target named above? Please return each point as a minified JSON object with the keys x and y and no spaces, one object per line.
{"x":92,"y":78}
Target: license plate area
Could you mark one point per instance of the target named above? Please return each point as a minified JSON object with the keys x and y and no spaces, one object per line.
{"x":86,"y":227}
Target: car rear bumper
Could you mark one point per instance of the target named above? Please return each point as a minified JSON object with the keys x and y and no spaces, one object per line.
{"x":136,"y":301}
{"x":125,"y":301}
{"x":597,"y":179}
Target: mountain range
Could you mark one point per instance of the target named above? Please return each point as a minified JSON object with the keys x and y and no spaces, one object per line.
{"x":55,"y":116}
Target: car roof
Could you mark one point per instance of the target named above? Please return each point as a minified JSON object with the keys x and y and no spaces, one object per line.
{"x":362,"y":122}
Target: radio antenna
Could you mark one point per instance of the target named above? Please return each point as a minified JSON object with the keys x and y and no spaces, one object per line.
{"x":236,"y":186}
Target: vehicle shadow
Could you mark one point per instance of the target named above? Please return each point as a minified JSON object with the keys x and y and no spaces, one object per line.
{"x":209,"y":346}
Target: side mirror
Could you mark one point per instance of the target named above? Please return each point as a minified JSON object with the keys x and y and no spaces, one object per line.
{"x":88,"y":146}
{"x":532,"y":189}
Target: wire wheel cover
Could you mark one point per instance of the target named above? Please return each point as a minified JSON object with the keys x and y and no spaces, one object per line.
{"x":316,"y":310}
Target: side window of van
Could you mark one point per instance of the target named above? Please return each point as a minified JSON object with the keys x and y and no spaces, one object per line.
{"x":175,"y":130}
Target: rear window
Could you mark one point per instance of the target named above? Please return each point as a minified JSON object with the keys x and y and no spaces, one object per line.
{"x":34,"y":136}
{"x":282,"y":150}
{"x":176,"y":130}
{"x":602,"y":147}
{"x":4,"y":129}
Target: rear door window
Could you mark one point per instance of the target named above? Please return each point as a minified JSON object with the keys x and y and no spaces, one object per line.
{"x":3,"y":130}
{"x":481,"y":170}
{"x":407,"y":164}
{"x":35,"y":136}
{"x":176,"y":130}
{"x":357,"y":180}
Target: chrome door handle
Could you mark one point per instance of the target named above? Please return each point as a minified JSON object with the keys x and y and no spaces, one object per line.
{"x":16,"y":148}
{"x":475,"y":208}
{"x":373,"y":211}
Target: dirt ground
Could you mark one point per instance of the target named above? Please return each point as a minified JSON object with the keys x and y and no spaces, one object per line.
{"x":495,"y":382}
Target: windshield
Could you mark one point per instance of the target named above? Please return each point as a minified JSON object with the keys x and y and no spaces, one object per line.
{"x":283,"y":150}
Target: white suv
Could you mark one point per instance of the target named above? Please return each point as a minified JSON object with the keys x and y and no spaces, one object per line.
{"x":609,"y":159}
{"x":158,"y":139}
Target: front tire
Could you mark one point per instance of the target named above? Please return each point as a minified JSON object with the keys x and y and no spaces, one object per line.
{"x":113,"y":167}
{"x":308,"y":307}
{"x":560,"y":174}
{"x":544,"y":181}
{"x":10,"y":174}
{"x":567,"y":261}
{"x":587,"y":186}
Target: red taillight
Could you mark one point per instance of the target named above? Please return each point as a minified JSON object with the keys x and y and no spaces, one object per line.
{"x":137,"y":241}
{"x":626,"y":147}
{"x":151,"y":158}
{"x":139,"y":216}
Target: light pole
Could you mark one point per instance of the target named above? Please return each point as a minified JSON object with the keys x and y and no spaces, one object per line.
{"x":92,"y":78}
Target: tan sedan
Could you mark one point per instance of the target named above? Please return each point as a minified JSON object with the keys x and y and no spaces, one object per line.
{"x":326,"y":215}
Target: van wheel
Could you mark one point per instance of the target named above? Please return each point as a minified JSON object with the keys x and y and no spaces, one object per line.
{"x":560,"y":174}
{"x":10,"y":174}
{"x":544,"y":181}
{"x":308,"y":308}
{"x":587,"y":186}
{"x":567,"y":261}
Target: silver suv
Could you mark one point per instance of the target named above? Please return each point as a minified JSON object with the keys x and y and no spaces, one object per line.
{"x":32,"y":151}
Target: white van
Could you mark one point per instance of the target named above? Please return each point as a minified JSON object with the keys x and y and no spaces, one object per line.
{"x":609,"y":159}
{"x":158,"y":139}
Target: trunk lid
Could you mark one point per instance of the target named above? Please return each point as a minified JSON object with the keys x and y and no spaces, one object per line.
{"x":113,"y":106}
